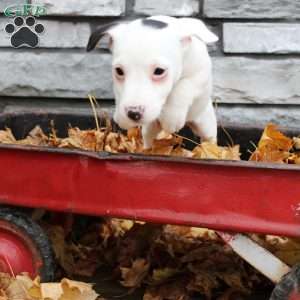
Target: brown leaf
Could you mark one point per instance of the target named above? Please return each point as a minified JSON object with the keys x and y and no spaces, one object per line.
{"x":134,"y":133}
{"x":64,"y":290}
{"x":133,"y":276}
{"x":273,"y":146}
{"x":64,"y":257}
{"x":209,"y":150}
{"x":161,"y":275}
{"x":18,"y":289}
{"x":3,"y":295}
{"x":136,"y":242}
{"x":75,"y":290}
{"x":293,"y":158}
{"x":181,"y":152}
{"x":286,"y":249}
{"x":119,"y":143}
{"x":164,"y":144}
{"x":7,"y":137}
{"x":296,"y":141}
{"x":84,"y":139}
{"x":5,"y":280}
{"x":170,"y":291}
{"x":36,"y":137}
{"x":204,"y":283}
{"x":232,"y":294}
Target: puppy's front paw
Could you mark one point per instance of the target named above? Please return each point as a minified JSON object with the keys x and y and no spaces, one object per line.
{"x":149,"y":133}
{"x":172,"y":121}
{"x":147,"y":142}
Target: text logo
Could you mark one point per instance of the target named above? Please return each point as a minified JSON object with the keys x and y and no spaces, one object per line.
{"x":25,"y":10}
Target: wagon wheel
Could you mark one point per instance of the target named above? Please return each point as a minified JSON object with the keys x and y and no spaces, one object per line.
{"x":289,"y":286}
{"x":24,"y":247}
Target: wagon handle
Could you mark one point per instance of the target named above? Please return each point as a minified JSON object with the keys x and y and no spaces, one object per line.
{"x":257,"y":256}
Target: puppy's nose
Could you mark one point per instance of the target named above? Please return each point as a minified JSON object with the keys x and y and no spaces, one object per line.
{"x":135,"y":113}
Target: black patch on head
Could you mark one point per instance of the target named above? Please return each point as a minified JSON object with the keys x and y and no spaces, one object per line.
{"x":98,"y":34}
{"x":154,"y":23}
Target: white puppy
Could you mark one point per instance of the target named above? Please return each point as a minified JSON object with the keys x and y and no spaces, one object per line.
{"x":162,"y":75}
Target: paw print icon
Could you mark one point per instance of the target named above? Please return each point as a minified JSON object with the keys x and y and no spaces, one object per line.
{"x":24,"y":32}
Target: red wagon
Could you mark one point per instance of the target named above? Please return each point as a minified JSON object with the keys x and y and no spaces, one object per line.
{"x":227,"y":196}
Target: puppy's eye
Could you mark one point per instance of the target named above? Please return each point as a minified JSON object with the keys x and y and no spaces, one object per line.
{"x":119,"y":71}
{"x":159,"y":71}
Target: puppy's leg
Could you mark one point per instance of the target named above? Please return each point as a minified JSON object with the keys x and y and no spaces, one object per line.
{"x":174,"y":113}
{"x":149,"y":133}
{"x":205,"y":125}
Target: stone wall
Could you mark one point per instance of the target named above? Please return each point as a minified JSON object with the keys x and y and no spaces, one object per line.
{"x":256,"y":62}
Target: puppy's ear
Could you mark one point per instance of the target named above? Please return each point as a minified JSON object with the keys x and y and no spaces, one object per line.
{"x":193,"y":27}
{"x":188,"y":27}
{"x":99,"y":33}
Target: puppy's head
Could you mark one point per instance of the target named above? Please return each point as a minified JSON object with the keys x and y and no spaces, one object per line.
{"x":147,"y":62}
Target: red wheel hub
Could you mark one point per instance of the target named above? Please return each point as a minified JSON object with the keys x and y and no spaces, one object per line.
{"x":294,"y":296}
{"x":17,"y":252}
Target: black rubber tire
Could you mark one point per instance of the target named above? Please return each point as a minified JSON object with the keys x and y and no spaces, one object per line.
{"x":288,"y":285}
{"x":37,"y":236}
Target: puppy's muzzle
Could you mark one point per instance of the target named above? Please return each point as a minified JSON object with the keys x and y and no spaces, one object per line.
{"x":135,"y":113}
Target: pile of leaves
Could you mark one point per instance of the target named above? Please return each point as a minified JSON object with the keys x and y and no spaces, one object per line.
{"x":22,"y":287}
{"x":104,"y":139}
{"x":169,"y":262}
{"x":273,"y":146}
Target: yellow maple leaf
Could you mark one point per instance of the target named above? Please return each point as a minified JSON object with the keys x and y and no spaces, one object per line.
{"x":273,"y":146}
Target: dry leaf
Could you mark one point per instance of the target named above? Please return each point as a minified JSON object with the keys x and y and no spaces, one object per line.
{"x":57,"y":237}
{"x":169,"y":291}
{"x":161,"y":275}
{"x":133,"y":276}
{"x":5,"y":280}
{"x":18,"y":288}
{"x":273,"y":146}
{"x":181,"y":152}
{"x":296,"y":141}
{"x":3,"y":295}
{"x":6,"y":137}
{"x":24,"y":288}
{"x":286,"y":249}
{"x":209,"y":150}
{"x":75,"y":290}
{"x":164,"y":144}
{"x":64,"y":290}
{"x":36,"y":137}
{"x":84,"y":139}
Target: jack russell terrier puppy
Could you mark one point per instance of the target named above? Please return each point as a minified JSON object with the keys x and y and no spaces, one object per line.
{"x":162,"y":75}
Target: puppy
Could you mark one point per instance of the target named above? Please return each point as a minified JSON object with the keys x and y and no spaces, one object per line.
{"x":162,"y":75}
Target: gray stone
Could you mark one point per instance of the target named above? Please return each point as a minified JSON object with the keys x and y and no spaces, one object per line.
{"x":56,"y":35}
{"x":167,"y":7}
{"x":250,"y":80}
{"x":53,"y":106}
{"x":6,"y":3}
{"x":70,"y":75}
{"x":74,"y":75}
{"x":261,"y":38}
{"x":256,"y":9}
{"x":83,"y":7}
{"x":259,"y":116}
